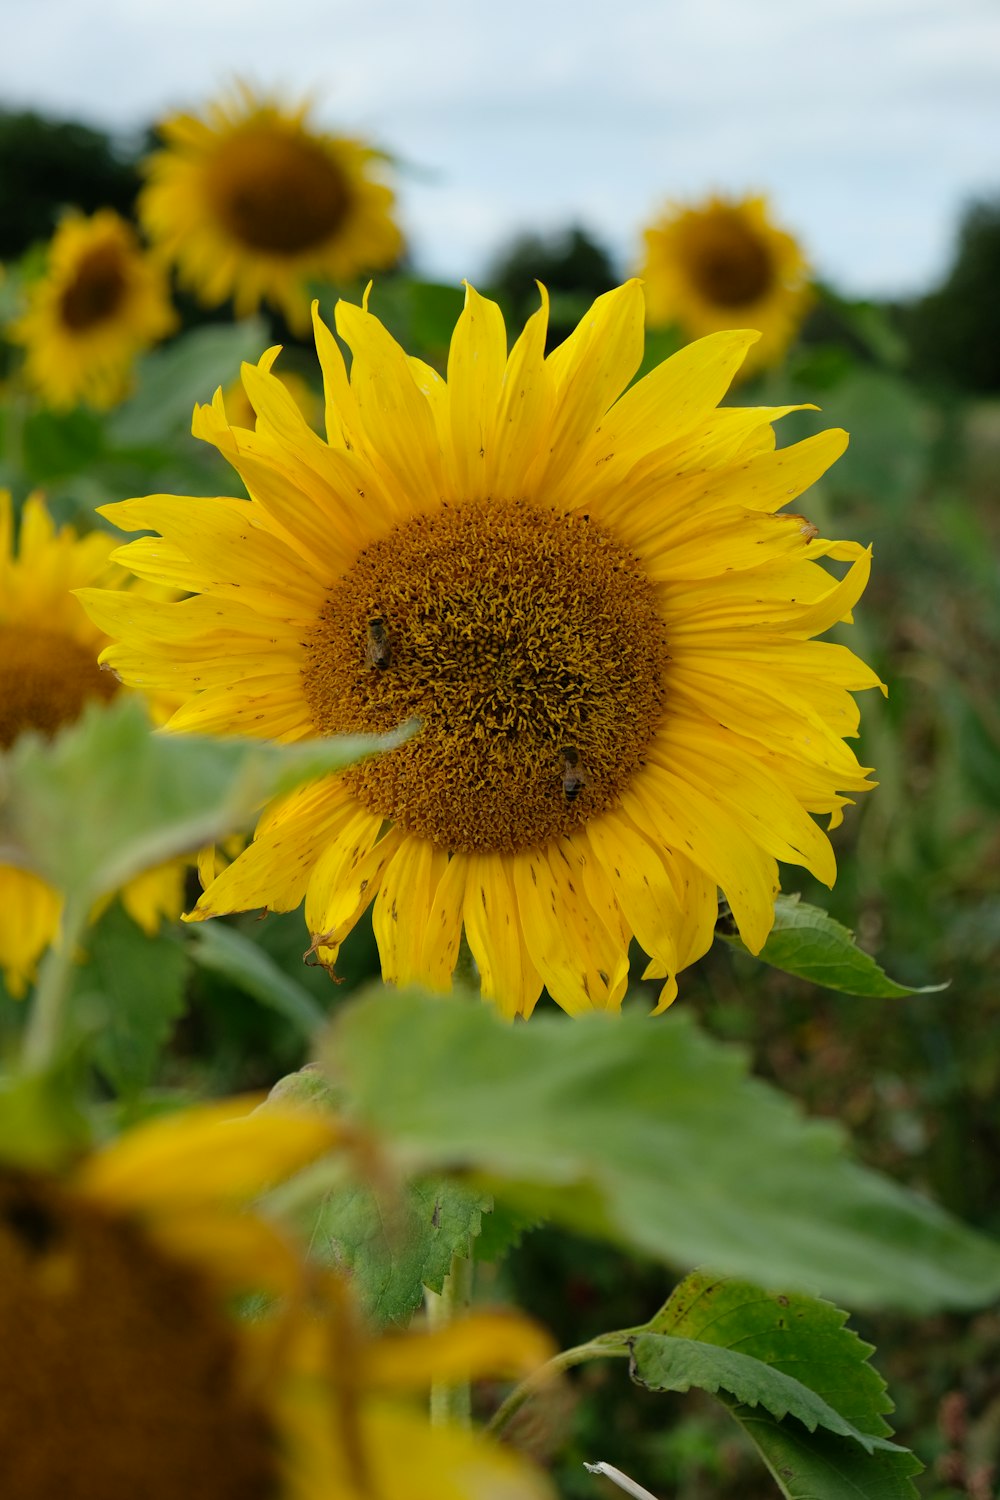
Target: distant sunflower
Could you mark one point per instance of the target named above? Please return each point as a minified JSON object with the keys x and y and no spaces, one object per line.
{"x":251,"y":202}
{"x":48,"y":673}
{"x":101,"y":302}
{"x":722,"y":263}
{"x":584,"y":596}
{"x":126,"y":1371}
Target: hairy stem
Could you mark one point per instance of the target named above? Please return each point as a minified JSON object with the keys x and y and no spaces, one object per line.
{"x":47,"y":1017}
{"x":607,"y":1346}
{"x":451,"y":1402}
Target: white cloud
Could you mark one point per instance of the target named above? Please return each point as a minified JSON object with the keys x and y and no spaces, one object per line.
{"x":870,"y":121}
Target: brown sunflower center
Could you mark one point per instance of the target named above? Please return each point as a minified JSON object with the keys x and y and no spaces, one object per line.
{"x":46,"y":677}
{"x":729,"y":263}
{"x":529,"y":645}
{"x":119,"y":1376}
{"x":277,"y":192}
{"x":96,"y":291}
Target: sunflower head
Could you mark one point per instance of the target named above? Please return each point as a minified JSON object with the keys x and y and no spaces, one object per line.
{"x":250,"y":201}
{"x":589,"y":596}
{"x":49,"y":672}
{"x":101,"y":303}
{"x":126,"y":1370}
{"x":711,"y":265}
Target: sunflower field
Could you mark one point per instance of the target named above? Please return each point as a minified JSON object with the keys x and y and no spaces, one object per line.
{"x":499,"y":870}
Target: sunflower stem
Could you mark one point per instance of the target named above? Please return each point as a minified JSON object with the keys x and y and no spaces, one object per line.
{"x":46,"y":1022}
{"x":607,"y":1346}
{"x":451,"y":1402}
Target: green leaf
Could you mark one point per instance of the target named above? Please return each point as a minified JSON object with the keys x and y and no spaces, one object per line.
{"x":502,"y":1229}
{"x":173,"y":378}
{"x":771,"y":1357}
{"x":395,"y":1247}
{"x":138,"y":982}
{"x":677,"y":1364}
{"x":819,"y":1466}
{"x":651,"y":1134}
{"x":108,"y":798}
{"x":222,"y":950}
{"x":805,"y":941}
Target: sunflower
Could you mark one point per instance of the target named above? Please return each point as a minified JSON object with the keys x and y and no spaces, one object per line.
{"x":588,"y":600}
{"x":251,"y":202}
{"x":101,"y":303}
{"x":48,"y":672}
{"x":126,"y":1370}
{"x":723,"y":262}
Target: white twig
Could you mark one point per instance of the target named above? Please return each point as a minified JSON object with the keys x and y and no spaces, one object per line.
{"x":621,"y":1480}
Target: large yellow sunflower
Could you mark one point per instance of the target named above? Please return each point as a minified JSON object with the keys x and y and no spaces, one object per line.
{"x":102,"y":301}
{"x":589,"y":601}
{"x":712,"y":265}
{"x":48,"y":672}
{"x":125,"y":1371}
{"x":251,"y":202}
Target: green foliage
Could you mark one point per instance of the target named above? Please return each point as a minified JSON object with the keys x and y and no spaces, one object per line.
{"x":224,"y":950}
{"x":57,"y":444}
{"x":771,"y":1357}
{"x":807,"y":942}
{"x":570,"y":264}
{"x":132,"y":989}
{"x":955,"y":331}
{"x":172,"y":379}
{"x":108,"y":798}
{"x":652,"y":1135}
{"x":396,"y":1242}
{"x":47,"y":165}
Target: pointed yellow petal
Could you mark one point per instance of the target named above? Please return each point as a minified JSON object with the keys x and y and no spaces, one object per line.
{"x":476,"y":363}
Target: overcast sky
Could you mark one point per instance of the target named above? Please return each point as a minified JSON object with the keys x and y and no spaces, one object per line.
{"x":869,"y":122}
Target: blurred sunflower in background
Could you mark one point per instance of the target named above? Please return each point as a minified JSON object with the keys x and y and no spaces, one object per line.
{"x":101,"y":302}
{"x":119,"y":1280}
{"x":250,"y":202}
{"x":48,"y":673}
{"x":724,"y":264}
{"x":585,"y":597}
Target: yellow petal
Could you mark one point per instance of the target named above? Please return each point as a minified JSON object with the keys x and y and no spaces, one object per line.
{"x":500,"y":1343}
{"x":476,"y":361}
{"x":403,"y":908}
{"x":581,"y":963}
{"x":207,"y":1155}
{"x":493,"y":929}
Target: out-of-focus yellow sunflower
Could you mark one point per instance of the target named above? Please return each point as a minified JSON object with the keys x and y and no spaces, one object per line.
{"x":126,"y":1372}
{"x":589,"y":600}
{"x":48,"y":672}
{"x":102,"y":301}
{"x":713,"y":265}
{"x":249,"y":201}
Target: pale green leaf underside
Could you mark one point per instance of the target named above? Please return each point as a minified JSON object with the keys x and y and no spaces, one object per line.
{"x":668,"y":1363}
{"x":647,"y":1132}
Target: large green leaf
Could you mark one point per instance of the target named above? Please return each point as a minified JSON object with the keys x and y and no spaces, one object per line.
{"x":773,"y":1357}
{"x":650,"y":1133}
{"x":805,"y":941}
{"x":109,"y":798}
{"x":135,"y":985}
